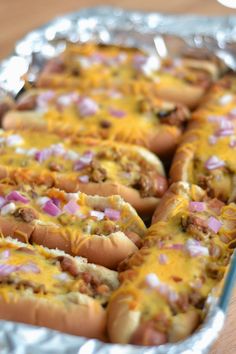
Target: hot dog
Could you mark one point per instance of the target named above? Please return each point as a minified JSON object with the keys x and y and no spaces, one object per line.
{"x":91,"y":166}
{"x":164,"y":286}
{"x":52,"y":289}
{"x":206,"y":155}
{"x":104,"y":230}
{"x":105,"y":114}
{"x":87,"y":66}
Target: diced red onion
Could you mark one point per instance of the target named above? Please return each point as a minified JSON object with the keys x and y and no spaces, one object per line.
{"x":51,"y":209}
{"x":212,"y":139}
{"x":118,"y":113}
{"x":14,"y":140}
{"x":87,"y":157}
{"x":152,"y":280}
{"x":67,"y":99}
{"x":232,"y":143}
{"x":84,"y":179}
{"x":83,"y":161}
{"x":44,"y":98}
{"x":57,"y":149}
{"x":17,"y":197}
{"x":87,"y":107}
{"x":225,"y":124}
{"x":175,"y":246}
{"x":6,"y":269}
{"x":146,"y":65}
{"x":42,"y":155}
{"x":225,"y":99}
{"x":195,"y":248}
{"x":8,"y":209}
{"x":29,"y":268}
{"x":197,"y":206}
{"x":62,"y":276}
{"x":71,"y":207}
{"x":20,"y":151}
{"x":56,"y":201}
{"x":226,"y":132}
{"x":31,"y":152}
{"x":97,"y":214}
{"x":232,"y":113}
{"x":214,"y":224}
{"x":112,"y":214}
{"x":71,"y":155}
{"x":213,"y":163}
{"x":5,"y":254}
{"x":163,"y":259}
{"x":42,"y":200}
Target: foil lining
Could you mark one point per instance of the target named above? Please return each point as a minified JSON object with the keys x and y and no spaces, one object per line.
{"x":158,"y":33}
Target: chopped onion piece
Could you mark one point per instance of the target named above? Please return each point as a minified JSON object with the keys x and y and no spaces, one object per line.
{"x":62,"y":276}
{"x":118,"y":113}
{"x":71,"y":207}
{"x":14,"y":140}
{"x":42,"y":200}
{"x":195,"y":249}
{"x":51,"y":209}
{"x":112,"y":214}
{"x":152,"y":280}
{"x":30,"y":267}
{"x":20,"y":151}
{"x":197,"y":206}
{"x":213,"y":163}
{"x":6,"y":269}
{"x":225,"y":99}
{"x":212,"y":139}
{"x":84,"y":179}
{"x":163,"y":259}
{"x":8,"y":209}
{"x":5,"y":255}
{"x":87,"y":107}
{"x":214,"y":224}
{"x":17,"y":197}
{"x":44,"y":98}
{"x":97,"y":214}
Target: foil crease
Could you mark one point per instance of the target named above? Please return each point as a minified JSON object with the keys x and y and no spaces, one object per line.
{"x":157,"y":33}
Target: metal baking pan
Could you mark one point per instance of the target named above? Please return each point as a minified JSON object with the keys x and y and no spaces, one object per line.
{"x":162,"y":34}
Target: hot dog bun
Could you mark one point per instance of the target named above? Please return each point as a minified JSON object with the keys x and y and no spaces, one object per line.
{"x":52,"y":289}
{"x":104,"y":230}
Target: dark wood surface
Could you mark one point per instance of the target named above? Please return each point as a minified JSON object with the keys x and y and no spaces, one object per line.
{"x":17,"y":17}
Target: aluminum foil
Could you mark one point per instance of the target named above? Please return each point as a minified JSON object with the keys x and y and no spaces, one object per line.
{"x":162,"y":34}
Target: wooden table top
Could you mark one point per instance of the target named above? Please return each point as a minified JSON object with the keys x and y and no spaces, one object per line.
{"x":19,"y":17}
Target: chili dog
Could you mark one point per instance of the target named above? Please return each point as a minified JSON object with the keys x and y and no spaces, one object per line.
{"x":105,"y":114}
{"x":87,"y":66}
{"x":165,"y":285}
{"x":91,"y":166}
{"x":206,"y":154}
{"x":49,"y":288}
{"x":104,"y":230}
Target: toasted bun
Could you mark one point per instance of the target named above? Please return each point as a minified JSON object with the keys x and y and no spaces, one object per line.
{"x":73,"y":313}
{"x":188,"y":95}
{"x":107,"y":250}
{"x":122,"y":321}
{"x":178,"y":194}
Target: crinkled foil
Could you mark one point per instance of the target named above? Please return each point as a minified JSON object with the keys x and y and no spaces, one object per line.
{"x":162,"y":34}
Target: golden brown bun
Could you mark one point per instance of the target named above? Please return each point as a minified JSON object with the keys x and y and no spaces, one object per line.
{"x":188,"y":95}
{"x":162,"y":140}
{"x":73,"y":313}
{"x":84,"y":317}
{"x":143,"y":205}
{"x":177,"y":194}
{"x":108,"y":250}
{"x":122,"y":321}
{"x":182,"y":164}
